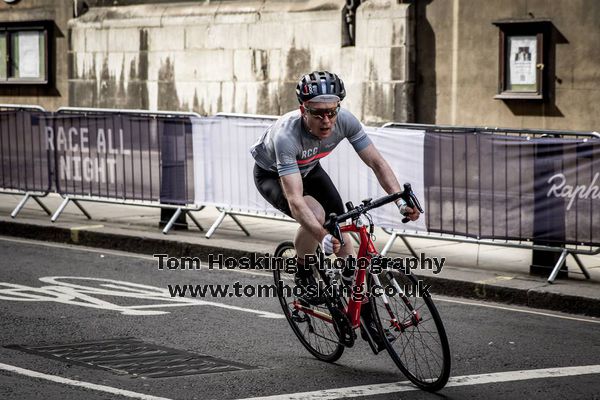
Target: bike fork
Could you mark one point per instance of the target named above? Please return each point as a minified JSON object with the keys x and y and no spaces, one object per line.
{"x":394,"y":322}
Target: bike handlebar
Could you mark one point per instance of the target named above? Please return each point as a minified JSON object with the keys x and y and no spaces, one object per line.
{"x":332,"y":223}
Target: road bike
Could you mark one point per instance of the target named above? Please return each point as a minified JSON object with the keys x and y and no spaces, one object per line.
{"x":409,"y":326}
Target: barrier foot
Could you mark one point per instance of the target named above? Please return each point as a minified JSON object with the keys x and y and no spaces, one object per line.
{"x":19,"y":206}
{"x":195,"y":221}
{"x":60,"y":209}
{"x":389,"y":243}
{"x":581,"y":266}
{"x":24,"y":200}
{"x":237,"y":221}
{"x":216,"y":224}
{"x":409,"y":247}
{"x":558,"y":266}
{"x":46,"y":209}
{"x":172,"y":221}
{"x":83,"y":210}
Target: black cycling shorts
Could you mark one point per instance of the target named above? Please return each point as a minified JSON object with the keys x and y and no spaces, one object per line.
{"x":316,"y":184}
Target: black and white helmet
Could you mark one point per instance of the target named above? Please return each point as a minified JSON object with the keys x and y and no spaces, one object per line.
{"x":321,"y":86}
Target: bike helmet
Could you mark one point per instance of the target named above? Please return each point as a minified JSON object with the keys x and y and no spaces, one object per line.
{"x":322,"y":86}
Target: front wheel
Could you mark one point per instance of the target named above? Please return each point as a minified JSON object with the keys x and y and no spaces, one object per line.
{"x":419,"y":346}
{"x":315,"y":334}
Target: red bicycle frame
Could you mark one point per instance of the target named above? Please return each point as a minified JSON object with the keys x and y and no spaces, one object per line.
{"x":366,"y":251}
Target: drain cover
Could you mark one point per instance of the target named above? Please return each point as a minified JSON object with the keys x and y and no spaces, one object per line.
{"x":134,"y":357}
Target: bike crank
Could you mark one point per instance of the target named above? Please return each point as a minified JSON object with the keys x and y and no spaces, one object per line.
{"x":342,"y":327}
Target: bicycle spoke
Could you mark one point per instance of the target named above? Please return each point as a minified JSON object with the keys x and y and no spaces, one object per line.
{"x":419,"y":349}
{"x":315,"y":334}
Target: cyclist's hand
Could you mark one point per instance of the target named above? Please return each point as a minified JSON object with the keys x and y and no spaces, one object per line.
{"x":330,"y":245}
{"x":408,"y":212}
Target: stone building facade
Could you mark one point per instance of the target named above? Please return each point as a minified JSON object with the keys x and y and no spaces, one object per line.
{"x":458,"y":63}
{"x":236,"y":56}
{"x":426,"y":61}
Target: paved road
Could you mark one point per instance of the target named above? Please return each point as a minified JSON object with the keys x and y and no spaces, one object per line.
{"x":54,"y":294}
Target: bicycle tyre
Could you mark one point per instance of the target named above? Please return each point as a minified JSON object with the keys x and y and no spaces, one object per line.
{"x":317,"y":336}
{"x":421,"y":352}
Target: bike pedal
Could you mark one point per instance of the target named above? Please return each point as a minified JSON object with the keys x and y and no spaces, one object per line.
{"x":349,"y":339}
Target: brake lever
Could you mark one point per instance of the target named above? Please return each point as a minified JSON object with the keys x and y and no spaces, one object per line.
{"x":416,"y":202}
{"x":334,"y":228}
{"x":338,"y":234}
{"x":411,"y":201}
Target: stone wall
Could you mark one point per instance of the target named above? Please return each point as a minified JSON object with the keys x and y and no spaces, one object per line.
{"x":240,"y":56}
{"x":245,"y":56}
{"x":462,"y":92}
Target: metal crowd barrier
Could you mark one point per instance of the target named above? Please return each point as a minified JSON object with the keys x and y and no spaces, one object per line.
{"x":152,"y":159}
{"x":509,"y":227}
{"x":133,"y":157}
{"x":25,"y":162}
{"x":231,"y":193}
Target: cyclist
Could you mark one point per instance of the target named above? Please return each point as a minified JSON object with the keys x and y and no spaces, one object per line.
{"x":289,"y":176}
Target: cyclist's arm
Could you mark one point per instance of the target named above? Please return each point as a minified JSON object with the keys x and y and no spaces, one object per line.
{"x":386,"y":177}
{"x":293,"y":189}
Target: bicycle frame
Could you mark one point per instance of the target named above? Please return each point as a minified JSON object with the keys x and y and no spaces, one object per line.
{"x":366,"y":252}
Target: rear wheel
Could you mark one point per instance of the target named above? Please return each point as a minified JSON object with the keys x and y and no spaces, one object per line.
{"x":420,"y":346}
{"x":318,"y":336}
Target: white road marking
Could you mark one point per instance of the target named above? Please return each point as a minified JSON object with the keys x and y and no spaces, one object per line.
{"x":144,"y":257}
{"x":467,"y":380}
{"x":81,"y":384}
{"x":65,"y":292}
{"x":498,"y":307}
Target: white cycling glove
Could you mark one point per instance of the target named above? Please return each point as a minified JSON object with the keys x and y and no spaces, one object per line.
{"x":402,"y":207}
{"x":327,"y":244}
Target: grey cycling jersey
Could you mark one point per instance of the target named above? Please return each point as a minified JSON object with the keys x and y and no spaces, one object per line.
{"x":287,"y":147}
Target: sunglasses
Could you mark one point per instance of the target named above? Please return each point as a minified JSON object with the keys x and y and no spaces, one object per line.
{"x":321,"y":113}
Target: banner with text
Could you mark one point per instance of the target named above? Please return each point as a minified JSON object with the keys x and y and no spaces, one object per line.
{"x":485,"y":185}
{"x":121,"y":156}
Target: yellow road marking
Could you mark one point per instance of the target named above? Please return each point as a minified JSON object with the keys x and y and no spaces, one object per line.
{"x":75,"y":231}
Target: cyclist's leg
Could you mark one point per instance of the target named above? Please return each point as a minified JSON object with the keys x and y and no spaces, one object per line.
{"x":318,"y":184}
{"x":304,"y":242}
{"x":305,"y":245}
{"x":269,"y":186}
{"x":322,"y":198}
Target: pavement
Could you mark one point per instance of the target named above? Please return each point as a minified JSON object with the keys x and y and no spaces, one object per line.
{"x":485,"y":272}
